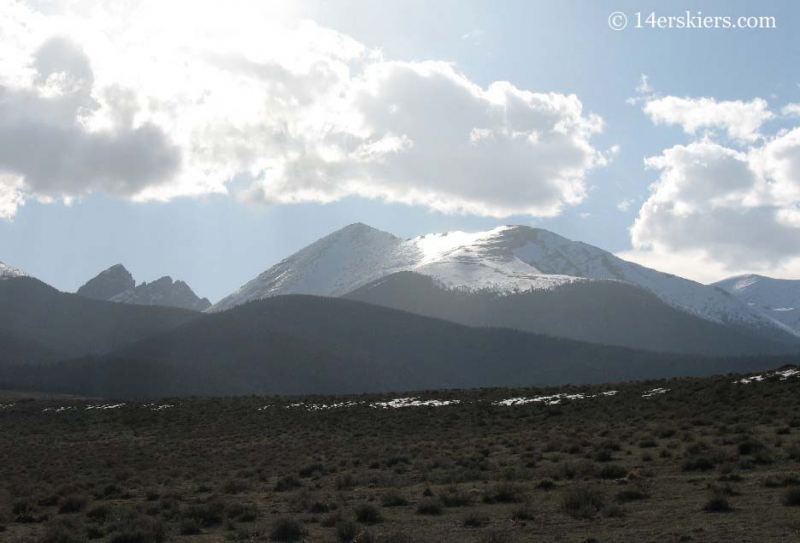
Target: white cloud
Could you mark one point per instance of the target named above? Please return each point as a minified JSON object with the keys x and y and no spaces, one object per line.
{"x":11,"y":197}
{"x":791,"y":110}
{"x":156,"y":100}
{"x":717,"y":211}
{"x":740,"y":120}
{"x":644,"y":86}
{"x":625,"y":205}
{"x":475,"y":35}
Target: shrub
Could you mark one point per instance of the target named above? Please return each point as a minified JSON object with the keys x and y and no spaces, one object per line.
{"x":791,"y":498}
{"x":72,"y":504}
{"x":475,"y":520}
{"x":140,"y":530}
{"x":368,"y":514}
{"x":61,"y":532}
{"x":190,"y":526}
{"x":497,"y":537}
{"x":242,"y":512}
{"x":613,"y":511}
{"x":345,"y":482}
{"x":582,"y":502}
{"x":308,"y":471}
{"x":700,"y":463}
{"x":612,"y":471}
{"x":504,"y":493}
{"x":429,"y":506}
{"x":100,"y":512}
{"x":393,"y":499}
{"x":290,"y":482}
{"x":319,"y":507}
{"x":235,"y":486}
{"x":454,"y":497}
{"x":346,"y":531}
{"x":630,"y":495}
{"x":286,"y":529}
{"x":546,"y":484}
{"x":718,"y":503}
{"x":750,"y":446}
{"x":522,"y":512}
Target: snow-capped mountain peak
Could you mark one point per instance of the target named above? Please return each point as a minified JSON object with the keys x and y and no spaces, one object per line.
{"x":503,"y":260}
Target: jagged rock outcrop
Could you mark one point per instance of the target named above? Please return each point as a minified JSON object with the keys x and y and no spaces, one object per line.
{"x":116,"y":284}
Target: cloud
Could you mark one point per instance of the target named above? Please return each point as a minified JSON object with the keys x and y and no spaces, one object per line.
{"x":625,"y":205}
{"x":118,"y":98}
{"x":791,"y":110}
{"x":717,"y":211}
{"x":740,"y":120}
{"x":644,"y":86}
{"x":476,"y":36}
{"x":429,"y":136}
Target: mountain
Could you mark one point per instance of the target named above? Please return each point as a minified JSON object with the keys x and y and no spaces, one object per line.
{"x":107,"y":284}
{"x":71,"y":325}
{"x":600,"y":311}
{"x":777,"y":298}
{"x":508,"y":260}
{"x":116,"y":284}
{"x":308,"y":344}
{"x":7,"y":272}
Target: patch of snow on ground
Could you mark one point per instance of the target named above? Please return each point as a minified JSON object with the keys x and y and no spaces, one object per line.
{"x":412,"y":402}
{"x":553,"y":399}
{"x":391,"y":404}
{"x":157,"y":407}
{"x":782,"y":374}
{"x":655,"y":392}
{"x":58,"y":409}
{"x":105,"y":406}
{"x":785,"y":374}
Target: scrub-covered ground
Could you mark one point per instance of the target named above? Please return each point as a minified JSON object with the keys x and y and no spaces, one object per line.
{"x":682,"y":460}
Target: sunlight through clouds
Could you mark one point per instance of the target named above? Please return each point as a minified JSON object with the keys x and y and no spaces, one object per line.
{"x":158,"y":100}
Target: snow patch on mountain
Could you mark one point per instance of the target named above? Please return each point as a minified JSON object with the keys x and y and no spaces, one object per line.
{"x":7,"y":272}
{"x":778,"y":299}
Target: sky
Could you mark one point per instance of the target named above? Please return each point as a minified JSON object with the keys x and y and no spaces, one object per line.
{"x":207,"y":141}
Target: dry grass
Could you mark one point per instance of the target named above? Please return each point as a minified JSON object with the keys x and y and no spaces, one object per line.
{"x":616,"y":468}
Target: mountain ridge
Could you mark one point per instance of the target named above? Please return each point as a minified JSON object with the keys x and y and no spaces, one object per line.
{"x":505,"y":260}
{"x":116,"y":284}
{"x":779,"y":299}
{"x":308,"y":344}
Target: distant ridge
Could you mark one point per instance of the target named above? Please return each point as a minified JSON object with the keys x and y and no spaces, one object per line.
{"x":778,"y":299}
{"x":116,"y":284}
{"x":317,"y":345}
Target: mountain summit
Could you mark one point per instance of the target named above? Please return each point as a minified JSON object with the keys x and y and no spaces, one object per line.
{"x":505,"y":260}
{"x":519,"y":277}
{"x":777,"y":298}
{"x":116,"y":284}
{"x":107,"y":284}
